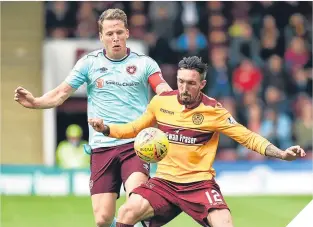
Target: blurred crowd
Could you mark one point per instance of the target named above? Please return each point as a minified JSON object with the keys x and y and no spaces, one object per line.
{"x":259,"y":55}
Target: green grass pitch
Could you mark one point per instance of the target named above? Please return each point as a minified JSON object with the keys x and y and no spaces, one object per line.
{"x":247,"y":211}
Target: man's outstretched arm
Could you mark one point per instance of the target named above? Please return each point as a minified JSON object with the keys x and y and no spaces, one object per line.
{"x":228,"y":126}
{"x":125,"y":131}
{"x":49,"y":100}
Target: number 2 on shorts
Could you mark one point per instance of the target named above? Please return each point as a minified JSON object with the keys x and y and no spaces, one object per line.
{"x":216,"y":196}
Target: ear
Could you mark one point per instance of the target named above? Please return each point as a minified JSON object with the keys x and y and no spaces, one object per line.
{"x":100,"y":36}
{"x":202,"y":84}
{"x":127,"y":33}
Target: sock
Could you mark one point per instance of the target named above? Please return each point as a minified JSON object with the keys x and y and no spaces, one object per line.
{"x":113,"y":224}
{"x":123,"y":225}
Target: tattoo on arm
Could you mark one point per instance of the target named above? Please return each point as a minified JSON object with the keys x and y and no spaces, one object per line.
{"x":273,"y":151}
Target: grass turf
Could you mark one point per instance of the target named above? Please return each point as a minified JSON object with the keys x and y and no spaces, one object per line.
{"x":248,"y":211}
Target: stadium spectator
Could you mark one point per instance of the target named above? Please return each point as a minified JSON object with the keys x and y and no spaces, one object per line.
{"x":275,"y":98}
{"x":189,"y":14}
{"x":137,"y":25}
{"x":247,"y":77}
{"x":297,"y":27}
{"x":245,"y":45}
{"x":70,"y":152}
{"x":219,"y":74}
{"x":300,"y":80}
{"x":271,"y":41}
{"x":191,"y":42}
{"x":60,"y":20}
{"x":277,"y":127}
{"x":162,"y":18}
{"x":296,"y":56}
{"x":275,"y":75}
{"x":86,"y":21}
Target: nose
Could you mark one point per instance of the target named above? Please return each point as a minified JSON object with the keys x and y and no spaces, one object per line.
{"x":115,"y":37}
{"x":184,"y":87}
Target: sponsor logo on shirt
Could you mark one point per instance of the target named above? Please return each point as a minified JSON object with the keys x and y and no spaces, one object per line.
{"x":167,"y":111}
{"x":99,"y":83}
{"x":122,"y":84}
{"x":181,"y":138}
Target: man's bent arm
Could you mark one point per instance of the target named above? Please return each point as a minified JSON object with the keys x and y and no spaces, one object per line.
{"x":54,"y":97}
{"x":158,"y":84}
{"x":131,"y":130}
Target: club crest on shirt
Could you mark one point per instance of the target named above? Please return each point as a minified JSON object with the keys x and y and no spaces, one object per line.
{"x":99,"y":83}
{"x":197,"y":119}
{"x":131,"y":69}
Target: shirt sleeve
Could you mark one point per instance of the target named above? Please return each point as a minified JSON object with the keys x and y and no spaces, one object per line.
{"x":151,"y":68}
{"x":226,"y":124}
{"x":155,"y":80}
{"x":79,"y":74}
{"x":131,"y":130}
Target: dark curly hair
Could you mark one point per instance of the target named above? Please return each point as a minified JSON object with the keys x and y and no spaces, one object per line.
{"x":195,"y":63}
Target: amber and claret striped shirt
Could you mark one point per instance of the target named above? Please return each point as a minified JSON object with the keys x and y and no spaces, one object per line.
{"x":193,"y":135}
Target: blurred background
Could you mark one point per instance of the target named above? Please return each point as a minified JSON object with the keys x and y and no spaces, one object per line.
{"x":260,"y":69}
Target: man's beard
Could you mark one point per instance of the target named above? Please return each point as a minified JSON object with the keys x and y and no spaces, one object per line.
{"x":186,"y":101}
{"x":190,"y":101}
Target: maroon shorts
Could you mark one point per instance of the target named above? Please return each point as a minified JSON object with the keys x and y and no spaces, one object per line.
{"x":111,"y":166}
{"x":168,"y":199}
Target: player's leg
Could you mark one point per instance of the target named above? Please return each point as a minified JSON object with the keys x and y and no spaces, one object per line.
{"x":218,"y":211}
{"x":147,"y":206}
{"x":103,"y":205}
{"x":134,"y":181}
{"x":204,"y":202}
{"x":105,"y":184}
{"x":220,"y":218}
{"x":134,"y":171}
{"x":134,"y":210}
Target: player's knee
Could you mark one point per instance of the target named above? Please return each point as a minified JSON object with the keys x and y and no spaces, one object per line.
{"x":220,"y":218}
{"x":103,"y":219}
{"x":128,"y":214}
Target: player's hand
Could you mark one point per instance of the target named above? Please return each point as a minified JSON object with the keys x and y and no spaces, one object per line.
{"x":292,"y":153}
{"x":97,"y":124}
{"x":24,"y":97}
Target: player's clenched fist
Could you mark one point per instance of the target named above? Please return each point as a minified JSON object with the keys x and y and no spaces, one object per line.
{"x":293,"y":153}
{"x":24,"y":97}
{"x":97,"y":124}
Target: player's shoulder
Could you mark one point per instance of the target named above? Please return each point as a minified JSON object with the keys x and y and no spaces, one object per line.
{"x":141,"y":57}
{"x":159,"y":98}
{"x":95,"y":54}
{"x":91,"y":56}
{"x":210,"y":102}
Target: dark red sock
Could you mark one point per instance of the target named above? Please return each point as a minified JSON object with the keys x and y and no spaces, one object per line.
{"x":123,"y":225}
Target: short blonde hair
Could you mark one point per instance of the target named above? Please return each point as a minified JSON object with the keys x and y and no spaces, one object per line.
{"x":112,"y":14}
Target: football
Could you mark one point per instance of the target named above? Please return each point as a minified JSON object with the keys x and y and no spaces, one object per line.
{"x":151,"y":145}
